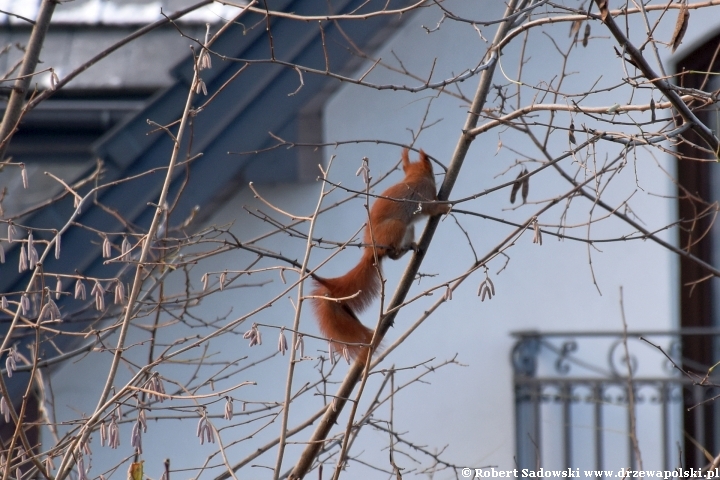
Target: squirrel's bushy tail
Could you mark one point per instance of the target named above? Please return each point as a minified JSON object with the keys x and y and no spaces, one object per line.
{"x":337,"y":319}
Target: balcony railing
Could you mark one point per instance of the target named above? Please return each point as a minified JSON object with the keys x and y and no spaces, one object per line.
{"x":573,"y":392}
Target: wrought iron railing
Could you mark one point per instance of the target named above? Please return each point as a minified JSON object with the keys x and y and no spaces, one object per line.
{"x":572,"y":397}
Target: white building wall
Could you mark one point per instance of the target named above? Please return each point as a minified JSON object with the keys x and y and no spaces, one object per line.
{"x":469,"y":409}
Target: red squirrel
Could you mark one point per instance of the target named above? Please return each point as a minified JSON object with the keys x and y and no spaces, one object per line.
{"x":389,"y":234}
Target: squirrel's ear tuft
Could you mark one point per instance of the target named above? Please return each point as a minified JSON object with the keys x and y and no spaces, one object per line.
{"x":406,"y":159}
{"x":425,"y":161}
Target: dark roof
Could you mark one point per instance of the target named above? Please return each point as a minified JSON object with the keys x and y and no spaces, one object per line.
{"x":258,"y":101}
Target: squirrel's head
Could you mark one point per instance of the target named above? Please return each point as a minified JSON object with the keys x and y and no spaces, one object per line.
{"x":421,"y":167}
